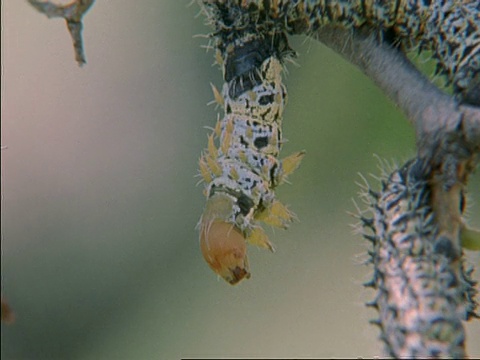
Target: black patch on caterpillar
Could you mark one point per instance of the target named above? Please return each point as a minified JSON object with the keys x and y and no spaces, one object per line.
{"x":244,"y":203}
{"x":221,"y":189}
{"x":273,"y":176}
{"x":243,"y":83}
{"x":243,"y":142}
{"x":245,"y":59}
{"x":266,"y":99}
{"x":261,"y":142}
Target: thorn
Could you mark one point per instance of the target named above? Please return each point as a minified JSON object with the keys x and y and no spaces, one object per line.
{"x":368,"y":222}
{"x":469,"y":271}
{"x":201,"y":36}
{"x":370,"y":284}
{"x":352,"y":214}
{"x":359,"y":211}
{"x":368,"y":262}
{"x":384,"y":338}
{"x":376,"y":322}
{"x":372,"y":304}
{"x":371,"y":238}
{"x":373,"y":194}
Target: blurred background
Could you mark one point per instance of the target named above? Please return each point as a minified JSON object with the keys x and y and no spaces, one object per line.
{"x":100,"y":255}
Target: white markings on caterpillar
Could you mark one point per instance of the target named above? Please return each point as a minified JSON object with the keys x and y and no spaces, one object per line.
{"x":240,"y":169}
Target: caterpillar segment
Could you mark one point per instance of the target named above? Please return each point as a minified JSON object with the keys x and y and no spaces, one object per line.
{"x":222,"y":244}
{"x":240,"y":166}
{"x":448,"y":29}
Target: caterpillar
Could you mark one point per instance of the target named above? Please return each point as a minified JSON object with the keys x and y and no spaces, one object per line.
{"x":450,"y":29}
{"x":423,"y":290}
{"x":240,"y":167}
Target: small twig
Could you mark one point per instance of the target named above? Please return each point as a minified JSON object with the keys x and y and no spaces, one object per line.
{"x":72,"y":13}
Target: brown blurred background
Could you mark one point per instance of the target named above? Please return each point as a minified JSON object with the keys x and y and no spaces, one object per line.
{"x":100,"y":254}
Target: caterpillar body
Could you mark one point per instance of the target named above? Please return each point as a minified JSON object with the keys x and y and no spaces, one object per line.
{"x":450,"y":29}
{"x":240,"y":166}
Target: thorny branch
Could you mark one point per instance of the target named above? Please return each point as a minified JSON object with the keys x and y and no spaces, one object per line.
{"x":448,"y":141}
{"x":421,"y":295}
{"x":447,"y":132}
{"x":72,"y":13}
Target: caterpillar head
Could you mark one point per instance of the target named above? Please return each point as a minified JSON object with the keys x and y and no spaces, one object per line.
{"x":222,"y":243}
